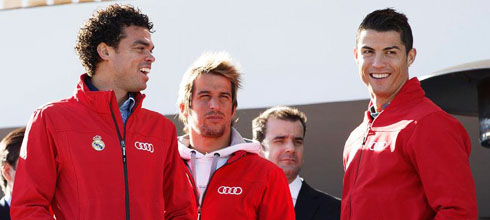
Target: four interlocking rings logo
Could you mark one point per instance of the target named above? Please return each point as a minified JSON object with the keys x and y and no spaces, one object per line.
{"x":230,"y":190}
{"x":144,"y":146}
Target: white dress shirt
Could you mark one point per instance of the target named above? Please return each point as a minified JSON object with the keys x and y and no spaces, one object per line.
{"x":294,"y":188}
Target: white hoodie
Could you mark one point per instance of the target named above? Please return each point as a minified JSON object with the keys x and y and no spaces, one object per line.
{"x":202,"y":167}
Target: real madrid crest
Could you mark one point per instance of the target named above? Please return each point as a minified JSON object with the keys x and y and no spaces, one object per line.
{"x":98,"y":144}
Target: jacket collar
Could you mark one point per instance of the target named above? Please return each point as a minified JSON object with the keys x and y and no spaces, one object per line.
{"x":101,"y":101}
{"x":410,"y":92}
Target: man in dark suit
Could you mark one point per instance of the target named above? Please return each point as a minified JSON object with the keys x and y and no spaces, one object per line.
{"x":281,"y":131}
{"x":9,"y":153}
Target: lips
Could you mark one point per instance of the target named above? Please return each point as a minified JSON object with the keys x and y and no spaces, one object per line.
{"x":288,"y":159}
{"x":214,"y":115}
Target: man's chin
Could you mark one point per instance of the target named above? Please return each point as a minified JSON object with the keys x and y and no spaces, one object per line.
{"x":213,"y":133}
{"x":290,"y":170}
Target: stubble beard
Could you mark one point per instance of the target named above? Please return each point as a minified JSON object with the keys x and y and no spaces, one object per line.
{"x":208,"y":131}
{"x":290,"y":171}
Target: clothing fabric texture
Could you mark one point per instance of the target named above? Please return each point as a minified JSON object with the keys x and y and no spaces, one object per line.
{"x":73,"y":160}
{"x":411,"y":162}
{"x":4,"y":209}
{"x":242,"y":185}
{"x":316,"y":205}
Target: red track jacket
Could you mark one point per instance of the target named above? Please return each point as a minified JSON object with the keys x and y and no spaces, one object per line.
{"x":72,"y":160}
{"x":410,"y":163}
{"x":246,"y":187}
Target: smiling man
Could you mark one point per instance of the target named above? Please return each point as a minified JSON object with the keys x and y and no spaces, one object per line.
{"x":408,"y":159}
{"x":231,"y":180}
{"x":99,"y":155}
{"x":281,"y":131}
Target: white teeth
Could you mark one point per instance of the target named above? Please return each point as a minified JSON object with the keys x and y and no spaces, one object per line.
{"x":145,"y":70}
{"x":379,"y":75}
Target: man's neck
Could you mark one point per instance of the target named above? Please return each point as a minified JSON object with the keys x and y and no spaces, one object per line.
{"x":209,"y":144}
{"x":104,"y":83}
{"x":379,"y":103}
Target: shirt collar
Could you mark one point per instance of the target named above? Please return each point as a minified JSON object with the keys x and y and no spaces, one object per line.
{"x":372,"y":110}
{"x":89,"y":84}
{"x":128,"y":104}
{"x":8,"y":198}
{"x":294,"y":188}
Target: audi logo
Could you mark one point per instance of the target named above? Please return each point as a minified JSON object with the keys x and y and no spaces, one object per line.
{"x":144,"y":146}
{"x":230,"y":190}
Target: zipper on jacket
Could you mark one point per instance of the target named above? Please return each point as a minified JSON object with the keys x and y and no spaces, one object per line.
{"x":125,"y":167}
{"x":364,"y":140}
{"x":199,"y":208}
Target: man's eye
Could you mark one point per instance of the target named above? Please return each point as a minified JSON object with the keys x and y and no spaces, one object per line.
{"x":278,"y":141}
{"x":391,"y":52}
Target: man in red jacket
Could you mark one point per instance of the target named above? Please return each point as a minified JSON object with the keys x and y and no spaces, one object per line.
{"x":408,"y":159}
{"x":231,"y":180}
{"x":99,"y":155}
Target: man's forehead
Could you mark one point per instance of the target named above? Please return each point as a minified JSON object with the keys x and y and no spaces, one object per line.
{"x":136,"y":32}
{"x":203,"y":83}
{"x":277,"y":127}
{"x":388,"y":38}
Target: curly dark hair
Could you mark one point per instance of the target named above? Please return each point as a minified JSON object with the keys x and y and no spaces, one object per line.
{"x":106,"y":26}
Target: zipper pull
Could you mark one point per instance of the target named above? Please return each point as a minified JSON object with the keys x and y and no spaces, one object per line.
{"x":199,"y":212}
{"x":123,"y":145}
{"x":366,"y":134}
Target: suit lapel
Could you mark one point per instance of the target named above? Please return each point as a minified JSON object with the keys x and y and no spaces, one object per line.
{"x":306,"y":205}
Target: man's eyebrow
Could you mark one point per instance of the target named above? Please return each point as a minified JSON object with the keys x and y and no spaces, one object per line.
{"x":225,"y":93}
{"x":202,"y":91}
{"x":144,"y":43}
{"x":279,"y":137}
{"x":392,"y":47}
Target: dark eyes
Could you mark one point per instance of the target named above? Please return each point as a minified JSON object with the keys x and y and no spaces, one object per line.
{"x":389,"y":52}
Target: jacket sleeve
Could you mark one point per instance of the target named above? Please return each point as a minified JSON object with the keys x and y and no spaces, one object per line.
{"x":276,"y":200}
{"x":439,"y":149}
{"x":35,"y":179}
{"x":178,"y":193}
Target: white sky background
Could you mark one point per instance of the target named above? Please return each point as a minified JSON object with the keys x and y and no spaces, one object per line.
{"x":291,"y":52}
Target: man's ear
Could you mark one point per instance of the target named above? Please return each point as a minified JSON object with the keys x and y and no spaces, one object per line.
{"x":103,"y":51}
{"x":6,"y":171}
{"x":355,"y":55}
{"x":411,"y":56}
{"x":182,"y":109}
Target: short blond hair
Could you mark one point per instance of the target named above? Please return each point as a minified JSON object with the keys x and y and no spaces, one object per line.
{"x":217,"y":63}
